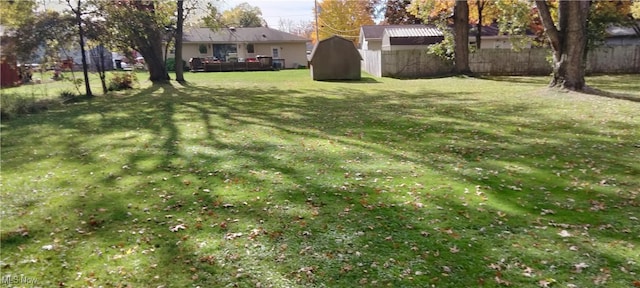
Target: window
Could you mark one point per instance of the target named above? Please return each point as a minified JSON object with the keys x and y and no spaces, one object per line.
{"x":250,"y":48}
{"x":221,"y":51}
{"x":275,"y":52}
{"x":202,"y":48}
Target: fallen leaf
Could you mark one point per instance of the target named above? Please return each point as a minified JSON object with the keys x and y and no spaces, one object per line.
{"x":546,"y":282}
{"x":502,"y":281}
{"x":564,"y":234}
{"x":577,"y":268}
{"x":528,"y":272}
{"x":231,"y":236}
{"x":177,"y":228}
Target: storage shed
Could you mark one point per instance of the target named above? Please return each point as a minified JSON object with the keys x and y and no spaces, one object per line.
{"x":335,"y":58}
{"x":410,"y":38}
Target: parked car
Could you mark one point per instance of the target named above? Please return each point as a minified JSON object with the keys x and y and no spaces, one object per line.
{"x":126,"y":66}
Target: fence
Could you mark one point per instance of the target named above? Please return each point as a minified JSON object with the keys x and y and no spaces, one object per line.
{"x":418,"y":63}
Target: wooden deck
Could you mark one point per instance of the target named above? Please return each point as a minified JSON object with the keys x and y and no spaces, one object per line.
{"x":204,"y":65}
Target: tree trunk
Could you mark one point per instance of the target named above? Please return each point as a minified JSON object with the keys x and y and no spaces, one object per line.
{"x":568,"y":42}
{"x":150,"y":47}
{"x":87,"y":85}
{"x":178,"y":54}
{"x":480,"y":6}
{"x":157,"y":70}
{"x":102,"y":69}
{"x":461,"y":28}
{"x":151,"y":50}
{"x":97,"y":54}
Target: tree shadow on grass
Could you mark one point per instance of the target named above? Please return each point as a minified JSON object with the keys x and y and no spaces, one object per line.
{"x":613,"y":95}
{"x":319,"y":184}
{"x":539,"y":80}
{"x":599,"y":87}
{"x":361,"y":80}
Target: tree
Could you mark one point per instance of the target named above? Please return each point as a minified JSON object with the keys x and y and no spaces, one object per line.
{"x":395,"y":12}
{"x":568,"y":40}
{"x":606,"y":13}
{"x":98,"y":38}
{"x":178,"y":53}
{"x":243,"y":15}
{"x":77,"y":13}
{"x":635,"y":10}
{"x":481,"y":12}
{"x":461,"y":31}
{"x":343,"y":18}
{"x":301,"y":28}
{"x":139,"y":25}
{"x":49,"y":30}
{"x":212,"y":18}
{"x":16,"y":13}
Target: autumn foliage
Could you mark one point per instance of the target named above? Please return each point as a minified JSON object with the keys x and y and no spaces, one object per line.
{"x":343,"y":18}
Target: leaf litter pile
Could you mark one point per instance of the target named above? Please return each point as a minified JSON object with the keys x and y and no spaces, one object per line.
{"x":326,"y":185}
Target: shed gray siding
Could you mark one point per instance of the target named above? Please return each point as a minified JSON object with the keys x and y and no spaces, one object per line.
{"x":335,"y":58}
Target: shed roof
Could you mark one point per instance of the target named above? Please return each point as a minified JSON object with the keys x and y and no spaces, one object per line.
{"x":335,"y":38}
{"x":424,"y":31}
{"x":243,"y":34}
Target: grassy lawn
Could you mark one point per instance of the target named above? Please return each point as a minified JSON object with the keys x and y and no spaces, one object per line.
{"x":269,"y":179}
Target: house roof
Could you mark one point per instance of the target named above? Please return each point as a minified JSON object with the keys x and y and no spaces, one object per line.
{"x":489,"y":30}
{"x":420,"y":31}
{"x":244,"y":34}
{"x":621,"y":31}
{"x":376,"y":31}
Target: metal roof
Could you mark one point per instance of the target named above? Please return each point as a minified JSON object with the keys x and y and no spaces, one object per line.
{"x":375,"y":31}
{"x":621,"y":31}
{"x":414,"y":32}
{"x":235,"y":35}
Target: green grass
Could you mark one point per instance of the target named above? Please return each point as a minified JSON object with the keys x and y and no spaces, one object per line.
{"x":262,"y":179}
{"x":47,"y":88}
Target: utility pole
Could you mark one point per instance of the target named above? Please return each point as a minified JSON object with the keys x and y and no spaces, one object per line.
{"x":315,"y":2}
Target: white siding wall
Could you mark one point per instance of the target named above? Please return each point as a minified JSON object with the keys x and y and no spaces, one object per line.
{"x":373,"y":45}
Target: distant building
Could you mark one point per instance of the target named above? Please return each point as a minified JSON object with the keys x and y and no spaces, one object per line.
{"x":245,"y":44}
{"x":9,"y":75}
{"x":623,"y":36}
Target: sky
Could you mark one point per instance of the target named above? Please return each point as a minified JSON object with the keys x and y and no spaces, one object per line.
{"x":274,"y":10}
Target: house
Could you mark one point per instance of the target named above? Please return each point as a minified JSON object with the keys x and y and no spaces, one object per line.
{"x":9,"y":75}
{"x":335,"y":58}
{"x":491,"y":38}
{"x":370,"y":37}
{"x":404,"y":37}
{"x":245,"y":44}
{"x":623,"y":36}
{"x":93,"y":55}
{"x":408,"y":38}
